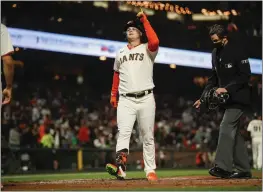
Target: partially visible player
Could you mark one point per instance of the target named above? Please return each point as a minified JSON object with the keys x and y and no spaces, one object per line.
{"x":255,"y":128}
{"x":8,"y":63}
{"x":8,"y":66}
{"x":133,"y":82}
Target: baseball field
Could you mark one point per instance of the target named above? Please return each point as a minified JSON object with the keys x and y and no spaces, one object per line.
{"x":183,"y":180}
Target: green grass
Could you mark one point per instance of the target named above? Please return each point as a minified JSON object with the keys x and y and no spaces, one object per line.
{"x":100,"y":175}
{"x":105,"y":175}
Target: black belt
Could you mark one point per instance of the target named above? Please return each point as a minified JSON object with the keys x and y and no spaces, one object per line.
{"x":138,"y":94}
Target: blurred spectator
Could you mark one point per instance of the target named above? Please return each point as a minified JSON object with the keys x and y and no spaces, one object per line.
{"x":57,"y":138}
{"x":199,"y":160}
{"x":47,"y":140}
{"x":42,"y":131}
{"x":84,"y":134}
{"x":29,"y":138}
{"x":14,"y":137}
{"x":102,"y":140}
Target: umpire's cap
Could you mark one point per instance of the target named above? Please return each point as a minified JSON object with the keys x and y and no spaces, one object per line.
{"x":137,"y":24}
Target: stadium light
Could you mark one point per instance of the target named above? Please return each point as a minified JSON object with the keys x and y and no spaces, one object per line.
{"x":201,"y":17}
{"x":174,"y":16}
{"x":172,"y":66}
{"x":103,"y":4}
{"x":80,"y":79}
{"x":178,"y":11}
{"x":234,"y":12}
{"x":204,"y":11}
{"x":227,"y":13}
{"x":103,"y":58}
{"x":219,"y":12}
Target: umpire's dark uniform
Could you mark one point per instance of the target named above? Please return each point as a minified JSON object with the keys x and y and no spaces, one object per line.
{"x":231,"y":70}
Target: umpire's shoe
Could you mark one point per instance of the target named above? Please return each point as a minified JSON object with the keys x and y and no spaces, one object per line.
{"x":115,"y":171}
{"x":240,"y":175}
{"x":218,"y":172}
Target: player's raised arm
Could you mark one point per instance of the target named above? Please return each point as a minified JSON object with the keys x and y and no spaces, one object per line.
{"x":153,"y":41}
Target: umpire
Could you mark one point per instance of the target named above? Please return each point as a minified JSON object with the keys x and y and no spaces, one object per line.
{"x":230,"y":73}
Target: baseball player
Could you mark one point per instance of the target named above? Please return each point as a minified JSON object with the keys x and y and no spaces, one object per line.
{"x":6,"y":52}
{"x":255,"y":128}
{"x":133,"y":83}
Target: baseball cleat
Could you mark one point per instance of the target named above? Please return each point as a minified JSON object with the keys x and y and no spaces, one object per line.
{"x":121,"y":160}
{"x":115,"y":171}
{"x":152,"y":176}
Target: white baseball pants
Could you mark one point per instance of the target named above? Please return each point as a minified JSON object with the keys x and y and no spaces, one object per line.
{"x":257,"y":152}
{"x":143,"y":109}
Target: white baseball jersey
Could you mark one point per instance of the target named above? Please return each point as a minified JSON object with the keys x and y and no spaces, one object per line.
{"x":255,"y":128}
{"x":135,"y":67}
{"x":6,"y":48}
{"x":6,"y":42}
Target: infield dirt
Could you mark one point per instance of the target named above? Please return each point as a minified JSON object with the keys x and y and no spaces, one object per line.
{"x":133,"y":184}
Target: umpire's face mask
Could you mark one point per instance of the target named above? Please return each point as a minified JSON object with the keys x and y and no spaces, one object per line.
{"x":217,"y":42}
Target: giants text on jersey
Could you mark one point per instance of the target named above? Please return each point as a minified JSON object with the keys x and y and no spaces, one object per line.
{"x":136,"y":68}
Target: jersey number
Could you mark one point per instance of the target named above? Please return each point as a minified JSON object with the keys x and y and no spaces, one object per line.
{"x":257,"y":128}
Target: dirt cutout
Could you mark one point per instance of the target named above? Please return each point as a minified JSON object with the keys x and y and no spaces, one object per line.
{"x":130,"y":184}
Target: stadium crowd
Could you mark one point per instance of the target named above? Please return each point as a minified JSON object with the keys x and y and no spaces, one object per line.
{"x":66,"y":119}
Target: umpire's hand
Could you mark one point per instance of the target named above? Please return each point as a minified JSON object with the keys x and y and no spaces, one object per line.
{"x":221,"y":90}
{"x":197,"y":104}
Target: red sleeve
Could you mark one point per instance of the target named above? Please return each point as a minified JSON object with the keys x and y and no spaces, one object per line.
{"x":115,"y":84}
{"x":153,"y":41}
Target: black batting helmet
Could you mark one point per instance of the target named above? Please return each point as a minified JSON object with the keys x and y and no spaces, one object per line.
{"x":137,"y":24}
